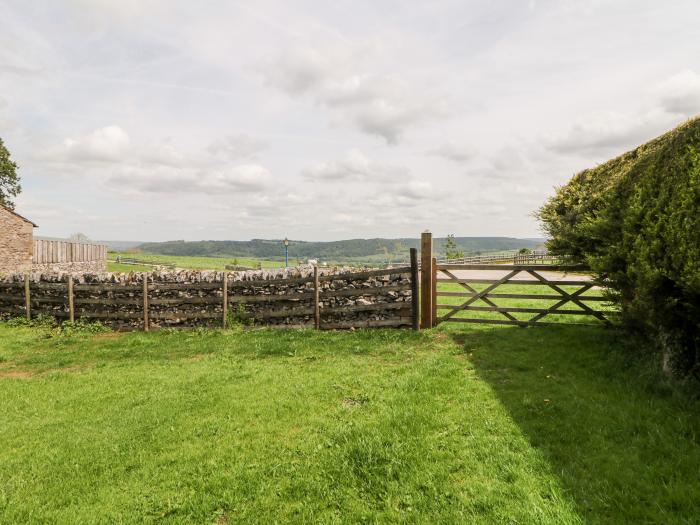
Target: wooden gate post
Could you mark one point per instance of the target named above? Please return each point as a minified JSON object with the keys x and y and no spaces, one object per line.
{"x":426,"y":280}
{"x":71,"y":300}
{"x":145,"y":303}
{"x":27,"y":297}
{"x":317,"y":302}
{"x":415,"y":294}
{"x":225,"y":298}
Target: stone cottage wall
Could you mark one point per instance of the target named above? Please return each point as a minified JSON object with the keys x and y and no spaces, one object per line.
{"x":16,"y":237}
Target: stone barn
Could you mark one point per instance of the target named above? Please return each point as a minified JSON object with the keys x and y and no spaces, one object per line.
{"x":16,"y":242}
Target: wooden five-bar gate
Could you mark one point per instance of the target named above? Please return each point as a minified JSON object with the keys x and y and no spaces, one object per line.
{"x":498,"y":293}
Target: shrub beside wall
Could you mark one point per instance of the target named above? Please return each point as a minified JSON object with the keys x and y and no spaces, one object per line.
{"x":636,"y":219}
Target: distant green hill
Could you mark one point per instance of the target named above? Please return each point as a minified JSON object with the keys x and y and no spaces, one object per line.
{"x":356,"y":250}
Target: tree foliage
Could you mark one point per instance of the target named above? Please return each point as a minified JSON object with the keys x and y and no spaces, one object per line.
{"x":79,"y":237}
{"x":636,"y":220}
{"x":452,"y":251}
{"x":9,"y":181}
{"x":331,"y":250}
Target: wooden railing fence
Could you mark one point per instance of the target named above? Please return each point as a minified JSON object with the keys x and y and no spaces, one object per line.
{"x":514,"y":257}
{"x":144,"y":262}
{"x":466,"y":289}
{"x":47,"y":251}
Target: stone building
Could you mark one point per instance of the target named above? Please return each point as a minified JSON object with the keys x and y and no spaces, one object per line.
{"x":16,"y":242}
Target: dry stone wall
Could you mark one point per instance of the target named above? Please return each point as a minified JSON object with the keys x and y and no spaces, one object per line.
{"x":77,"y":267}
{"x":287,"y":297}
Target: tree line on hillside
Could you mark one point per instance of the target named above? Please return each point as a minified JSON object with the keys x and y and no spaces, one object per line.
{"x":336,"y":250}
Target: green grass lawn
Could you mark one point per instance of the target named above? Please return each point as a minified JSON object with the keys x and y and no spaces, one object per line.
{"x":119,"y":267}
{"x":196,"y":263}
{"x":455,"y":425}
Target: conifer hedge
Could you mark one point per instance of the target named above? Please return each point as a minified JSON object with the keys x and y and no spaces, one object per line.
{"x":636,"y":219}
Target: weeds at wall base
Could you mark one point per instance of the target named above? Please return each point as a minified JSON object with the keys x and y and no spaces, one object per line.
{"x":52,"y":328}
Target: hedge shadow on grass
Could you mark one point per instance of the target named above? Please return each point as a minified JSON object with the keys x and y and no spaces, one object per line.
{"x":624,"y":450}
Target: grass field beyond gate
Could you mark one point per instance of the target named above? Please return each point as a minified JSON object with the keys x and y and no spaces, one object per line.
{"x":187,"y":262}
{"x":459,"y":425}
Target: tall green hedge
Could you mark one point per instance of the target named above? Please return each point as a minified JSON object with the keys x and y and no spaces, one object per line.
{"x":636,"y":219}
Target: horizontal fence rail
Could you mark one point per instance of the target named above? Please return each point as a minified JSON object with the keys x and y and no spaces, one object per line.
{"x":376,"y":298}
{"x":143,"y":262}
{"x":46,"y":252}
{"x":473,"y":290}
{"x":509,"y":257}
{"x":512,"y":257}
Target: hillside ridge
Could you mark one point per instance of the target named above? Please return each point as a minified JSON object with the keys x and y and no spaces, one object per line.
{"x":334,"y":250}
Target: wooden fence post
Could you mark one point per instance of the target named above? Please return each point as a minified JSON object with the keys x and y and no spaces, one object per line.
{"x":225,"y":290}
{"x":71,"y":303}
{"x":145,"y":302}
{"x":415,"y":295}
{"x":426,"y":277}
{"x":27,"y":297}
{"x":317,"y":295}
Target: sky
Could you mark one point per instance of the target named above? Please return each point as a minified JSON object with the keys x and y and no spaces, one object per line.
{"x":163,"y":120}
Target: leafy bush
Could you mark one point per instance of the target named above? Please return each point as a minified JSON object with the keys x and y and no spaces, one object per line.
{"x":452,"y":251}
{"x":83,"y":327}
{"x":40,"y":321}
{"x":53,"y":328}
{"x":239,"y":317}
{"x":636,"y":220}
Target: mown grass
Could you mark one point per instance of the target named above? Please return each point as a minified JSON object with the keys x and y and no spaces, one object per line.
{"x":453,"y":425}
{"x":198,"y":263}
{"x":126,"y":268}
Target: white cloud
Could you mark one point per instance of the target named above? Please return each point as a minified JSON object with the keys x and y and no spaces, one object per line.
{"x":341,"y":79}
{"x":680,"y":94}
{"x":415,"y":190}
{"x":301,"y":70}
{"x":451,"y":150}
{"x":108,"y":154}
{"x":354,"y":166}
{"x":245,"y":178}
{"x":108,"y":144}
{"x":610,"y":133}
{"x":237,"y":147}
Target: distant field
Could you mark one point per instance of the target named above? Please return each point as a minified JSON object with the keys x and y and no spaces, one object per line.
{"x":218,"y":263}
{"x":194,"y":263}
{"x":117,"y":267}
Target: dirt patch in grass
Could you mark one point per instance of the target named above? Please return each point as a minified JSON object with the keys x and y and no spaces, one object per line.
{"x":440,"y":336}
{"x":354,"y":402}
{"x":110,"y":335}
{"x":16,"y":374}
{"x":197,"y":357}
{"x":72,"y":369}
{"x":222,"y":519}
{"x":32,"y":374}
